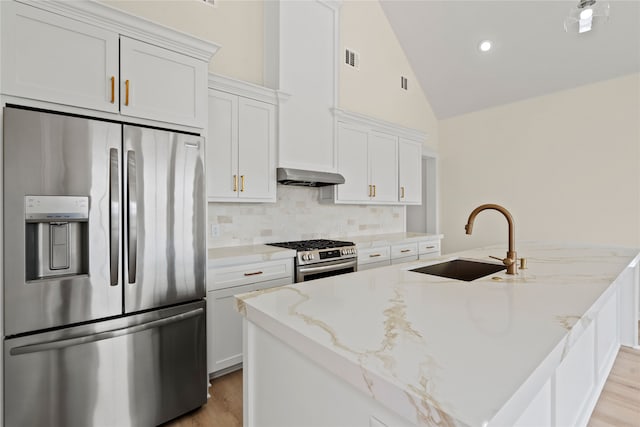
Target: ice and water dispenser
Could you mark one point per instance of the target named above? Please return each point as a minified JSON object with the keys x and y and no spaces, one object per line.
{"x":56,"y":236}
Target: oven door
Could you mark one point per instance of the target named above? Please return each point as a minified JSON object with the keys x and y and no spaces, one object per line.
{"x":305,"y":273}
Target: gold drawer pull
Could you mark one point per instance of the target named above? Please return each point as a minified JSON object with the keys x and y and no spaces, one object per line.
{"x":255,"y":273}
{"x":113,"y":89}
{"x":429,"y":247}
{"x":126,"y":92}
{"x":402,"y":192}
{"x":241,"y":182}
{"x":374,"y":255}
{"x":374,"y":190}
{"x":235,"y":183}
{"x":370,"y":190}
{"x":405,"y":250}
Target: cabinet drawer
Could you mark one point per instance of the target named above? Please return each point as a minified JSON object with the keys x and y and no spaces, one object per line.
{"x":400,"y":260}
{"x":371,"y":265}
{"x":371,"y":255}
{"x":429,"y":246}
{"x":238,"y":275}
{"x":404,"y":250}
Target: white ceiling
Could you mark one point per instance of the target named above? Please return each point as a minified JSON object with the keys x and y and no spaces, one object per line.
{"x":532,"y":53}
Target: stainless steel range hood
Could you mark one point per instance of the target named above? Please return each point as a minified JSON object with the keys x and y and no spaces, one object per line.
{"x":305,"y":178}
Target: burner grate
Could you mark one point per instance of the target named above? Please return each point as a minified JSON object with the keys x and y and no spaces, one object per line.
{"x":309,"y":245}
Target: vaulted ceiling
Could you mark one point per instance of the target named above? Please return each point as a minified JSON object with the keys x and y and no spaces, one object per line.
{"x":532,"y":55}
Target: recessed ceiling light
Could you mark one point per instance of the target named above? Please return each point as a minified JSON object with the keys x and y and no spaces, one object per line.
{"x":485,"y":46}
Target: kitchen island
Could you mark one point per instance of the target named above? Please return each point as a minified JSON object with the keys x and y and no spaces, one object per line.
{"x":395,"y":347}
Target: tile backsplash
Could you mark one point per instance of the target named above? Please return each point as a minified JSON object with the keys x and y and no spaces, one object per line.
{"x":298,"y":215}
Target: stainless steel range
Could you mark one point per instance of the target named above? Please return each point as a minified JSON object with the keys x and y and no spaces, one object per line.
{"x":322,"y":258}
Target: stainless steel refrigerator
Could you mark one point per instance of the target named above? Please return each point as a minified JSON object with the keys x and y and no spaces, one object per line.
{"x":104,"y":272}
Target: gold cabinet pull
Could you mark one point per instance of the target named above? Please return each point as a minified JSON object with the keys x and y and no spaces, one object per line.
{"x":374,"y":190}
{"x":370,"y":190}
{"x":374,"y":255}
{"x":235,"y":183}
{"x":255,"y":273}
{"x":113,"y":89}
{"x":241,"y":182}
{"x":430,"y":247}
{"x":126,"y":92}
{"x":402,"y":192}
{"x":404,"y":251}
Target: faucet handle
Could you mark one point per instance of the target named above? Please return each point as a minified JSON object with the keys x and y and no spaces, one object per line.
{"x":505,"y":261}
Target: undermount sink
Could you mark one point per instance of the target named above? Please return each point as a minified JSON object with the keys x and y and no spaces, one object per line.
{"x":461,"y":269}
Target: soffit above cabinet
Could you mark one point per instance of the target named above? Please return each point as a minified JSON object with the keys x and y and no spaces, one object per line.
{"x":107,"y":17}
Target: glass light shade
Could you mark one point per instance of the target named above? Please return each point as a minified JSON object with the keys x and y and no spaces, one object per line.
{"x":581,"y":19}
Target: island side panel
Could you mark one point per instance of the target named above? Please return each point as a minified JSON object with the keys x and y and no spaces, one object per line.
{"x":284,"y":388}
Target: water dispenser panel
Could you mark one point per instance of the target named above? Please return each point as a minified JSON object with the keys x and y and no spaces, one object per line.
{"x":56,"y":208}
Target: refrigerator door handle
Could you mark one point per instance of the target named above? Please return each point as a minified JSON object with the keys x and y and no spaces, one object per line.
{"x":132,"y":201}
{"x":60,"y":344}
{"x":114,"y":214}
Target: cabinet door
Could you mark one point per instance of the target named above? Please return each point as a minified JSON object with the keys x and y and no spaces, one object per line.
{"x":56,"y":59}
{"x":222,"y":146}
{"x":352,"y":164}
{"x":224,"y":324}
{"x":383,"y":164}
{"x":160,"y":84}
{"x":410,"y":172}
{"x":256,"y":147}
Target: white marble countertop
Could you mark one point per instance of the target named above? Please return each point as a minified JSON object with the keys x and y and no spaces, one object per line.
{"x":439,"y":351}
{"x":234,"y":255}
{"x":375,"y":240}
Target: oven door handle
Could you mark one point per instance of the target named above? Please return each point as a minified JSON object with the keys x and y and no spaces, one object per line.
{"x":319,"y":269}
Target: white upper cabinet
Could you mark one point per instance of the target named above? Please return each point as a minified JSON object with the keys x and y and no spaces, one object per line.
{"x":409,"y":172}
{"x":159,"y":84}
{"x":381,"y":162}
{"x":383,"y":167}
{"x":368,"y":162}
{"x":51,"y":54}
{"x":256,"y":150}
{"x":241,"y":147}
{"x":222,"y":146}
{"x":353,"y":164}
{"x":301,"y":62}
{"x":49,"y":57}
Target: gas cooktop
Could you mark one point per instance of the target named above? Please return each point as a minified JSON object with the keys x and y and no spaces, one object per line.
{"x":310,"y":245}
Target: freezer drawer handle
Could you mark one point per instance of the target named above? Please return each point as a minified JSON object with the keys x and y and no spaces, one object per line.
{"x":86,"y":339}
{"x":114,"y":214}
{"x":132,"y":223}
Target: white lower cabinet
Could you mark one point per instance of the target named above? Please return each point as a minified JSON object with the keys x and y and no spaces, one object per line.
{"x":404,"y":252}
{"x":374,"y":257}
{"x":224,"y":323}
{"x":428,"y":249}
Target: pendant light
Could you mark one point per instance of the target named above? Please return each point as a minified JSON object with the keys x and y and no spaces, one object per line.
{"x":581,"y":18}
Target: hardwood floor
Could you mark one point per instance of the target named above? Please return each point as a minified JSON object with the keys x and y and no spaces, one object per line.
{"x":619,"y":403}
{"x":223,"y":409}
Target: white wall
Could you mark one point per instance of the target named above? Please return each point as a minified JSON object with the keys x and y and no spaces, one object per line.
{"x":235,"y":25}
{"x":298,"y":215}
{"x":567,"y":166}
{"x":374,"y":89}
